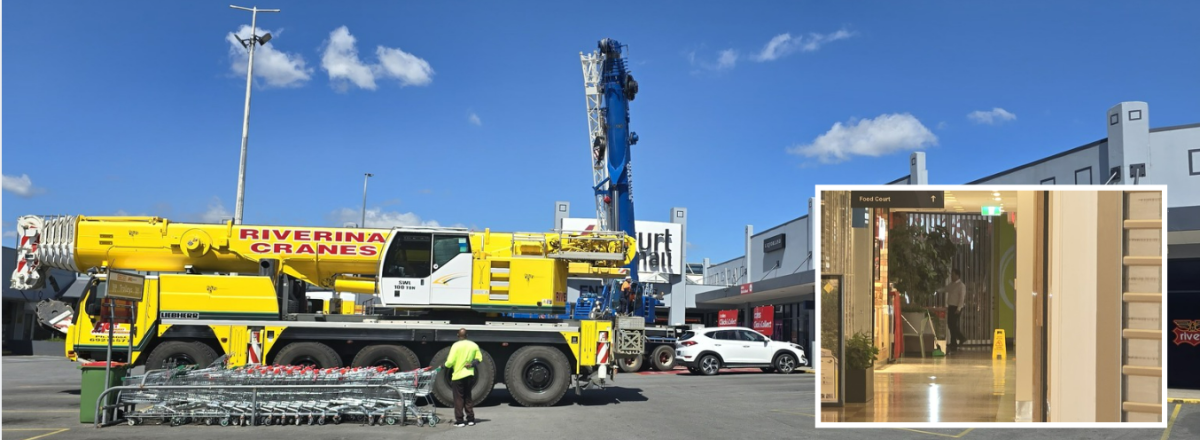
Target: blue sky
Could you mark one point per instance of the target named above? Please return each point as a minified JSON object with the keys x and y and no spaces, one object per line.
{"x":473,"y":114}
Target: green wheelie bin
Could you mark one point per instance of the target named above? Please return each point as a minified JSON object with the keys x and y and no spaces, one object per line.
{"x":93,"y":384}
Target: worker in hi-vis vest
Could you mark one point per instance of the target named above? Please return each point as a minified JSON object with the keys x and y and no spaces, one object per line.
{"x":463,"y":359}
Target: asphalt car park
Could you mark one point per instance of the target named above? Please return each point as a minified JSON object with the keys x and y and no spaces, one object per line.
{"x":41,"y":401}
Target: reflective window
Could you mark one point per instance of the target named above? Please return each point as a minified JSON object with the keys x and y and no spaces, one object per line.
{"x":408,"y":256}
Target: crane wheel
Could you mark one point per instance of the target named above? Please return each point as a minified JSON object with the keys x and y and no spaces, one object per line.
{"x":311,"y":354}
{"x":663,"y":358}
{"x":485,"y":378}
{"x":388,"y":356}
{"x":175,"y":353}
{"x":537,"y":375}
{"x":630,"y":365}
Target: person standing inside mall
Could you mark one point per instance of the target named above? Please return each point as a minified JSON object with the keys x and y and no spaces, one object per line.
{"x":464,"y":357}
{"x":956,"y":298}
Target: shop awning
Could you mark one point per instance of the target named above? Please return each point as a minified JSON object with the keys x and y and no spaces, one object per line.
{"x":789,"y":288}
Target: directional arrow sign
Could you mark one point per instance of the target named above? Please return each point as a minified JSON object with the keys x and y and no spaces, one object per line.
{"x":991,"y":210}
{"x":897,"y":199}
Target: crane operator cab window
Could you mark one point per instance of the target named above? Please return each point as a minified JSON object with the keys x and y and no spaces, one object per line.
{"x":426,"y":268}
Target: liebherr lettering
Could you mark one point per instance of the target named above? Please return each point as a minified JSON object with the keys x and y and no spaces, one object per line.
{"x":335,"y":242}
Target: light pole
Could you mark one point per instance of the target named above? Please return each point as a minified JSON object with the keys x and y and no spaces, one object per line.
{"x":247,"y":43}
{"x":364,"y":210}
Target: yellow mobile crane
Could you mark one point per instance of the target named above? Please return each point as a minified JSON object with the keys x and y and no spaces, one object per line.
{"x":239,"y":291}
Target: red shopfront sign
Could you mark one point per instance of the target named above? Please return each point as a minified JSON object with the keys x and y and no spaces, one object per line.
{"x":727,"y":318}
{"x":1187,"y":331}
{"x":764,"y":320}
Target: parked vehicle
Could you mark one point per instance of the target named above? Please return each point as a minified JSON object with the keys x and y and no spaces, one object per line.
{"x":707,"y":351}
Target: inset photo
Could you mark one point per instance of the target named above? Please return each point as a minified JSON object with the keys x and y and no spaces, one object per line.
{"x":973,"y":305}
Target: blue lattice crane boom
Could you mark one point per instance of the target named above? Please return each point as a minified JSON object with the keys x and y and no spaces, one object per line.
{"x":609,"y":88}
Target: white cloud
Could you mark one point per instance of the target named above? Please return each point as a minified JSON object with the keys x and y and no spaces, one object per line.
{"x":727,"y":60}
{"x":10,"y":234}
{"x":277,"y":68}
{"x":991,"y":117}
{"x":784,"y":44}
{"x":378,"y":218}
{"x":216,"y":212}
{"x":942,"y":125}
{"x":404,"y":66}
{"x":21,"y":186}
{"x":340,"y":60}
{"x":868,"y":137}
{"x":474,"y":119}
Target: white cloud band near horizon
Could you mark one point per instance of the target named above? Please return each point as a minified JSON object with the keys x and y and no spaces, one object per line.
{"x":785,"y":44}
{"x":995,"y":116}
{"x":274,"y":67}
{"x":341,"y":62}
{"x":378,"y":218}
{"x":21,"y":185}
{"x":885,"y":134}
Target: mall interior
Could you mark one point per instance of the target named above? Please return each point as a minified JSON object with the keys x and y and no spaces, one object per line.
{"x":1091,"y":350}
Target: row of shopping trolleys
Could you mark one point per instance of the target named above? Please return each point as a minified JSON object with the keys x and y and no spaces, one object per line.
{"x":279,"y":395}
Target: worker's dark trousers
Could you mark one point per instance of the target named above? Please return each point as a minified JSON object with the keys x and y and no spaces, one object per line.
{"x":955,"y":333}
{"x":462,"y":399}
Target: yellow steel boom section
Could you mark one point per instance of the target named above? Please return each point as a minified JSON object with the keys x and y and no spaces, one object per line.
{"x":347,"y":259}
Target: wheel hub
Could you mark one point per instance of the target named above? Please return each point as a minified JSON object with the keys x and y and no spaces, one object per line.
{"x":538,"y":375}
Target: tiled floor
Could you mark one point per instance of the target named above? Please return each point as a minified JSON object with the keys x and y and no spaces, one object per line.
{"x":963,"y":387}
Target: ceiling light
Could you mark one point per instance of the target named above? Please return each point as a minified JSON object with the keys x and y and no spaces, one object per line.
{"x":997,"y":199}
{"x":997,"y":194}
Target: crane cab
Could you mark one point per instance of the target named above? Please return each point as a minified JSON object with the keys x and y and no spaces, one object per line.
{"x":424,"y":267}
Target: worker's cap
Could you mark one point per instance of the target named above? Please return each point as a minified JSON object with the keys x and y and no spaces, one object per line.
{"x":628,"y":278}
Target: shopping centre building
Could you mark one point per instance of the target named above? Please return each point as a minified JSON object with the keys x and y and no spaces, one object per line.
{"x":1131,"y":154}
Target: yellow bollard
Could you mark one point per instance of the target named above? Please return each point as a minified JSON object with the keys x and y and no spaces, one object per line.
{"x":998,"y":345}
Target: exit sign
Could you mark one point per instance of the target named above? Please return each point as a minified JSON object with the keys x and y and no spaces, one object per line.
{"x":991,"y":210}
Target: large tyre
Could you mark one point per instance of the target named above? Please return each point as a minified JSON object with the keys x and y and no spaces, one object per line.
{"x":663,"y":358}
{"x":313,"y":354}
{"x":537,"y":375}
{"x":485,"y":378}
{"x":630,"y":365}
{"x":174,"y":353}
{"x":708,"y":365}
{"x":387,"y":356}
{"x":785,"y":363}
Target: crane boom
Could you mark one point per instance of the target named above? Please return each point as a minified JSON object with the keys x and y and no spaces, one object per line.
{"x":609,"y":87}
{"x":151,"y":244}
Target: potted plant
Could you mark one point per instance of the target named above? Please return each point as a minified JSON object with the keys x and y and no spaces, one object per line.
{"x":860,"y":379}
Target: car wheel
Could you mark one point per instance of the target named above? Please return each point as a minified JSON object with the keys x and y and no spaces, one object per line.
{"x":708,"y":365}
{"x":785,"y":363}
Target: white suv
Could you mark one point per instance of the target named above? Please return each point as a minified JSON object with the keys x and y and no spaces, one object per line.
{"x":706,"y":351}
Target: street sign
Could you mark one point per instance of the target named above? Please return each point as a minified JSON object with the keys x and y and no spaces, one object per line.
{"x":991,"y":210}
{"x":127,"y":286}
{"x":897,"y":199}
